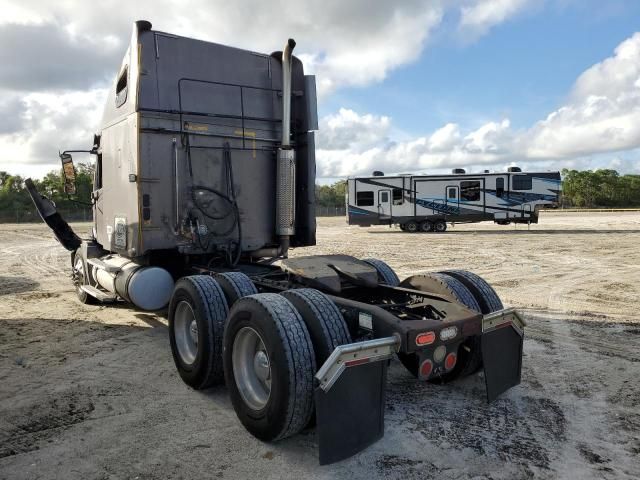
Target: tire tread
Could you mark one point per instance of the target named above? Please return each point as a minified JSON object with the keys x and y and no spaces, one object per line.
{"x":385,"y":272}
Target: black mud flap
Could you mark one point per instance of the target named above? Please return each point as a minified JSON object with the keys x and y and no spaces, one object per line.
{"x":47,"y":210}
{"x":502,"y":342}
{"x":350,"y":416}
{"x":350,"y":397}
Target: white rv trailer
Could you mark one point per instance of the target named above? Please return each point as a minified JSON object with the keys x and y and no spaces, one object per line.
{"x":427,"y":202}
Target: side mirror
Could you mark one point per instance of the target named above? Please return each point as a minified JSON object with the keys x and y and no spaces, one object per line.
{"x":69,"y":172}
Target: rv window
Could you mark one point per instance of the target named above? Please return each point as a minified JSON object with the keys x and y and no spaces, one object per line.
{"x":521,"y":182}
{"x":121,"y":87}
{"x":470,"y":191}
{"x":397,"y":196}
{"x":499,"y":187}
{"x":384,"y":197}
{"x":452,"y":193}
{"x":364,"y":199}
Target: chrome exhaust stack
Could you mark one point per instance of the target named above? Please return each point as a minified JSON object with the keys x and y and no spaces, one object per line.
{"x":286,"y":163}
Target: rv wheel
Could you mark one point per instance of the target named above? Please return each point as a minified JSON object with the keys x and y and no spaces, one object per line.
{"x":79,"y":279}
{"x":197,"y":315}
{"x":440,"y":226}
{"x":426,"y":226}
{"x":402,"y":227}
{"x":269,"y":366}
{"x":411,"y":226}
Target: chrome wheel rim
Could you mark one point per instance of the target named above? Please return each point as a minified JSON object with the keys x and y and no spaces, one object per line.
{"x":412,"y":227}
{"x":78,"y":272}
{"x":251,"y":368}
{"x":186,"y":332}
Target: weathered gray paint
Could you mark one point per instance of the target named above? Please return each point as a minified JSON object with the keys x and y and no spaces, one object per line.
{"x":183,"y":91}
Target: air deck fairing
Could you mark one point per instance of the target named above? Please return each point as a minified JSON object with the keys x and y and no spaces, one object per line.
{"x":184,"y":120}
{"x":501,"y":197}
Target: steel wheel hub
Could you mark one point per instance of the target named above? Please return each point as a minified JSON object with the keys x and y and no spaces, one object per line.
{"x":251,"y":368}
{"x":186,"y":332}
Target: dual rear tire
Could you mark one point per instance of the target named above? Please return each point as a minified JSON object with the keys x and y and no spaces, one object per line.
{"x":266,"y":348}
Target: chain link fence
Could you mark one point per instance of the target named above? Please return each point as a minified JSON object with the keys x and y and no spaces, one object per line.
{"x":330,"y":211}
{"x":85,"y":214}
{"x":20,"y":215}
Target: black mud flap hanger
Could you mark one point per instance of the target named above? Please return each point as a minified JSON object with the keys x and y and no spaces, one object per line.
{"x":502,"y":341}
{"x":350,"y":397}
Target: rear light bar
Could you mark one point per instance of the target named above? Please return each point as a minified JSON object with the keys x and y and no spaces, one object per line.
{"x":426,"y":338}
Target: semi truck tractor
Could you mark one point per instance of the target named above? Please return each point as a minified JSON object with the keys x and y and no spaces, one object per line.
{"x":204,"y":183}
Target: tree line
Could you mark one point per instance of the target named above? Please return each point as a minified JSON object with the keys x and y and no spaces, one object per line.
{"x":580,"y":188}
{"x":16,"y":204}
{"x":600,"y":188}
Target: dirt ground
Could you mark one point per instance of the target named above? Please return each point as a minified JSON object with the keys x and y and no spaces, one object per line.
{"x":91,"y":391}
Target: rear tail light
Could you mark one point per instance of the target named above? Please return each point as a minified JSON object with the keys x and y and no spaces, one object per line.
{"x":426,"y":338}
{"x":450,"y":361}
{"x":426,"y":368}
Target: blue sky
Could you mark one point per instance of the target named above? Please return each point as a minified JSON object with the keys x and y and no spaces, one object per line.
{"x":416,"y":85}
{"x":522,"y":69}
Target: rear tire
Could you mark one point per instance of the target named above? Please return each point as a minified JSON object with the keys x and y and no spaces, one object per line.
{"x":235,"y":286}
{"x":273,"y":399}
{"x":197,"y":316}
{"x":323,"y":319}
{"x":488,"y":301}
{"x":386,"y":275}
{"x":440,"y":226}
{"x":486,"y":296}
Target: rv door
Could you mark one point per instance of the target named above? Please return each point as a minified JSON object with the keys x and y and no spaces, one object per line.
{"x":452,"y":198}
{"x":384,"y":204}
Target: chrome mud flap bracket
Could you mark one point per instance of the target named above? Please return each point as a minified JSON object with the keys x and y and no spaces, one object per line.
{"x":350,"y":397}
{"x":502,"y":341}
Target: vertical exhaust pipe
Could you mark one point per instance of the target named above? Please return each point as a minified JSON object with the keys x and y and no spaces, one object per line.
{"x":286,"y":166}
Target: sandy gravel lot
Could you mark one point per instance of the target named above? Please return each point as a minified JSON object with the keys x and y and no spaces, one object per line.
{"x":91,"y":391}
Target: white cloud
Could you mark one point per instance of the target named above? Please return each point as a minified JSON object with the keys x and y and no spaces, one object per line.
{"x":602,"y":115}
{"x":603,"y":112}
{"x":350,"y":43}
{"x":51,"y":122}
{"x":447,"y":147}
{"x":479,"y":16}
